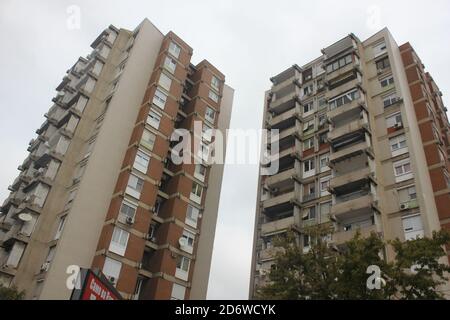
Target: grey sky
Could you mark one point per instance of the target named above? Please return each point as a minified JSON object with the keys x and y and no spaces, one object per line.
{"x":249,"y":41}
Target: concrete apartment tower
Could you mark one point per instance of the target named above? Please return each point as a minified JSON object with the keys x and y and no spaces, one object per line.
{"x":364,"y":145}
{"x":99,"y":189}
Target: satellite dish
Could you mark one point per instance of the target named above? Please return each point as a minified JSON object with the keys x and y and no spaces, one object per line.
{"x":25,"y":217}
{"x":182,"y":242}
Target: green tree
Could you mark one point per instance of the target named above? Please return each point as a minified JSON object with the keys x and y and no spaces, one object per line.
{"x":10,"y":293}
{"x":327,"y":273}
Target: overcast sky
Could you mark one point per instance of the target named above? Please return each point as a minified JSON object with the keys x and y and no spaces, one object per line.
{"x":249,"y":41}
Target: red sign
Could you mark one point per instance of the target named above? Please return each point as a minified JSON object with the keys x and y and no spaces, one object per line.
{"x":94,"y":289}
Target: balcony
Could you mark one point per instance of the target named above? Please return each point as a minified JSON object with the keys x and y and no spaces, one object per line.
{"x":353,"y":206}
{"x":348,"y":128}
{"x":349,"y":177}
{"x":342,"y":71}
{"x":291,"y":132}
{"x":268,"y":254}
{"x":343,"y":88}
{"x":353,"y":105}
{"x":344,"y":236}
{"x":281,"y":177}
{"x":278,"y":225}
{"x":277,"y":121}
{"x":349,"y":152}
{"x":284,"y":103}
{"x":288,"y":197}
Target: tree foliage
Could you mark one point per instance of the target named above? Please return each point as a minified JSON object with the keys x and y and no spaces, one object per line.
{"x":326,"y":273}
{"x":10,"y":293}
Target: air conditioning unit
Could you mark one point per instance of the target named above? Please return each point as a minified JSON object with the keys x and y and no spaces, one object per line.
{"x":404,"y":206}
{"x":45,"y":266}
{"x":129,"y":220}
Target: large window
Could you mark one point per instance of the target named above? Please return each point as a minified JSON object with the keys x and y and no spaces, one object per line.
{"x":174,"y":49}
{"x":119,"y":241}
{"x":200,"y":172}
{"x":159,"y":99}
{"x":390,"y":100}
{"x":308,"y":144}
{"x":182,"y":271}
{"x":141,"y":161}
{"x":148,"y":139}
{"x":308,"y":165}
{"x":398,"y":145}
{"x":178,"y":292}
{"x":402,"y":170}
{"x":379,"y":49}
{"x":386,"y":81}
{"x":154,"y":118}
{"x":213,"y":96}
{"x":309,"y":213}
{"x":170,"y":64}
{"x":192,"y":214}
{"x":188,"y":239}
{"x":412,"y":227}
{"x":344,"y":99}
{"x":394,"y":120}
{"x":383,"y":64}
{"x":307,"y":107}
{"x":339,"y":63}
{"x":135,"y":185}
{"x":111,"y":269}
{"x":324,"y":185}
{"x":128,"y":210}
{"x":165,"y":82}
{"x":324,"y":162}
{"x":196,"y":192}
{"x":210,"y":114}
{"x":215,"y":83}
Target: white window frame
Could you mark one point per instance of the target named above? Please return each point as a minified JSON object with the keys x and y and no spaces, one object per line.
{"x":189,"y":240}
{"x":170,"y":64}
{"x":123,"y":216}
{"x":404,"y":175}
{"x":119,"y":241}
{"x":135,"y":189}
{"x":213,"y":96}
{"x":174,"y":49}
{"x":208,"y":117}
{"x":196,"y":192}
{"x":60,"y":228}
{"x":141,"y":161}
{"x":159,"y":99}
{"x":182,"y":271}
{"x":387,"y":81}
{"x":165,"y":81}
{"x":394,"y":119}
{"x":192,"y":215}
{"x":154,"y":118}
{"x":111,"y":269}
{"x":198,"y":172}
{"x":395,"y":145}
{"x":146,"y":143}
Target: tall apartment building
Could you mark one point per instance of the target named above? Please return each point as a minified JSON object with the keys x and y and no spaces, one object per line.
{"x":99,"y":189}
{"x":364,"y":145}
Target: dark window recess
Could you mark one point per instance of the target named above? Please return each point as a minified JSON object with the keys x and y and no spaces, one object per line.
{"x":307,"y":75}
{"x":383,"y":63}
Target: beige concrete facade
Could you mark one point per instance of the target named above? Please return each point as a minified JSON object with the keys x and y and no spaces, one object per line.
{"x":360,"y":164}
{"x":114,"y":115}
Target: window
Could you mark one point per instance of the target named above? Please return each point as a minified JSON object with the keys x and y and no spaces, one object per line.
{"x":51,"y":254}
{"x":200,"y":172}
{"x":387,"y":81}
{"x":324,"y":162}
{"x":402,"y":170}
{"x":207,"y":132}
{"x":383,"y":64}
{"x":128,"y":209}
{"x":308,"y":144}
{"x":192,"y":214}
{"x":182,"y":267}
{"x":210,"y":114}
{"x":406,"y":195}
{"x":322,"y":120}
{"x":189,"y":238}
{"x":307,"y":107}
{"x":213,"y":96}
{"x":164,"y":81}
{"x":60,"y":228}
{"x":154,"y":118}
{"x":308,"y":90}
{"x":323,"y":138}
{"x":135,"y":185}
{"x":308,"y":125}
{"x":148,"y":139}
{"x":310,"y":190}
{"x":174,"y":49}
{"x":203,"y":152}
{"x":170,"y":64}
{"x":111,"y":269}
{"x":412,"y":227}
{"x":321,"y":102}
{"x":339,"y":63}
{"x":159,"y":99}
{"x":324,"y":184}
{"x":309,"y":213}
{"x":178,"y":292}
{"x":325,"y":209}
{"x":398,"y":145}
{"x":394,"y":120}
{"x":119,"y":241}
{"x":308,"y":165}
{"x":390,"y":100}
{"x":196,"y":192}
{"x":306,"y":240}
{"x":344,"y":99}
{"x":379,"y":49}
{"x":215,"y":83}
{"x":141,"y":161}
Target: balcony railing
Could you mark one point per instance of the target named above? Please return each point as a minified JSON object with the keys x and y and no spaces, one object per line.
{"x":348,"y":151}
{"x":280,"y":199}
{"x":348,"y":205}
{"x":344,"y":236}
{"x":280,"y":177}
{"x":349,"y":177}
{"x":347,"y":128}
{"x":278,"y":225}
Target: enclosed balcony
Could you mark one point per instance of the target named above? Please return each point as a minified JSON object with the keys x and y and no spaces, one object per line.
{"x":350,"y":151}
{"x":338,"y":183}
{"x":340,"y":86}
{"x":355,"y":105}
{"x":349,"y":128}
{"x":348,"y":63}
{"x":284,"y":120}
{"x":285,"y":78}
{"x":277,"y":225}
{"x":342,"y":236}
{"x":283,"y":103}
{"x":351,"y":205}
